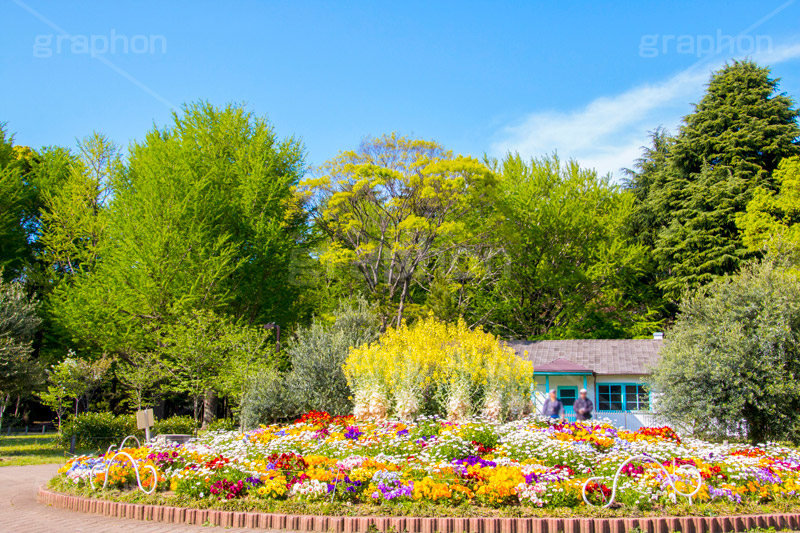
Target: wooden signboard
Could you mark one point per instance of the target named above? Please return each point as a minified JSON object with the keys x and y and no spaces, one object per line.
{"x":145,"y":420}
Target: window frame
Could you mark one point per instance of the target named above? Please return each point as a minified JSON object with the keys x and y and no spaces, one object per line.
{"x":623,"y":387}
{"x":567,"y":408}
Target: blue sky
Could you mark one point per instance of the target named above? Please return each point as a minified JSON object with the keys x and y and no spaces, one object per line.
{"x":588,"y":79}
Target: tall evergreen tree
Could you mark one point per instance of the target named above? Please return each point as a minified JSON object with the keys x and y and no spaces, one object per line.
{"x":730,"y":145}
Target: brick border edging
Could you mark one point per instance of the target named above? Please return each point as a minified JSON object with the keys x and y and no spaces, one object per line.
{"x":351,"y":524}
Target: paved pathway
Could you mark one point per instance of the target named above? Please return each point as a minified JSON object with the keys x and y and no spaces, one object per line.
{"x":21,"y":513}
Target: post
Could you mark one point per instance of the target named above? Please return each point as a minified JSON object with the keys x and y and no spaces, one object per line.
{"x":26,"y":430}
{"x":72,"y":445}
{"x":43,"y":426}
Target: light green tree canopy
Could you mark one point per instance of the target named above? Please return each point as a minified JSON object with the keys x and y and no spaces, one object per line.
{"x":392,"y":206}
{"x":774,"y":214}
{"x":205,"y":216}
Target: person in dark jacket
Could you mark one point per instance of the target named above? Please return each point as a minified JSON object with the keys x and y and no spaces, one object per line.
{"x":583,"y":406}
{"x":553,"y":407}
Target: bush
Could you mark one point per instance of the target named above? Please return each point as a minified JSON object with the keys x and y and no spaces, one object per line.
{"x":97,"y":431}
{"x":320,"y":351}
{"x":731,"y":362}
{"x":316,"y":381}
{"x":175,"y":425}
{"x":267,"y":399}
{"x":222,"y":424}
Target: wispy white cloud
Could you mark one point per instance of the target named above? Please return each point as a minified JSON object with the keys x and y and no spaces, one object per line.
{"x":608,"y":132}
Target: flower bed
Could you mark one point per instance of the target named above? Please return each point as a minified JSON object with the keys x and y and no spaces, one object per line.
{"x":524,"y":467}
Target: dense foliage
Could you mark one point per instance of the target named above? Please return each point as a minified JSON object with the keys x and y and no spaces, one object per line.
{"x":693,"y":187}
{"x":731,"y":363}
{"x":98,"y":431}
{"x":397,"y":468}
{"x":774,"y":215}
{"x":565,"y":226}
{"x":18,"y":323}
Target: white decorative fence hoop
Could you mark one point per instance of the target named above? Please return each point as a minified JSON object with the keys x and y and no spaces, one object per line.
{"x":685,"y":468}
{"x":108,"y":461}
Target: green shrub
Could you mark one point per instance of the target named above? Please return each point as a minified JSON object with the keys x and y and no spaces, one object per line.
{"x":267,"y":399}
{"x":222,"y":424}
{"x":175,"y":425}
{"x":97,"y":431}
{"x":319,"y":352}
{"x":316,"y":380}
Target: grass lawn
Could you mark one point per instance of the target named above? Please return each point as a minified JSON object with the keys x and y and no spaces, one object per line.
{"x":18,"y":450}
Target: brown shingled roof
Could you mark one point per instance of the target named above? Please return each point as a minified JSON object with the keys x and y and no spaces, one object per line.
{"x":561,"y":365}
{"x":603,"y":356}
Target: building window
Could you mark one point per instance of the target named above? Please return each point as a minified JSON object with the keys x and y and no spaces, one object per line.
{"x":626,"y":396}
{"x":636,"y":398}
{"x":609,"y":397}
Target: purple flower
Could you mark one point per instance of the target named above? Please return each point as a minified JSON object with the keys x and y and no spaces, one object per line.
{"x":473,"y":460}
{"x":393,"y":489}
{"x":353,"y":433}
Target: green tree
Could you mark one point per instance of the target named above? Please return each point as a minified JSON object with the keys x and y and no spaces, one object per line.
{"x":251,"y":350}
{"x":73,"y":215}
{"x":18,"y":206}
{"x":193,"y":354}
{"x":731,"y":361}
{"x":726,"y":148}
{"x":394,"y":205}
{"x":570,"y":268}
{"x":65,"y":386}
{"x":643,"y":181}
{"x":204,"y":217}
{"x":18,"y":324}
{"x":140,"y":373}
{"x":72,"y":380}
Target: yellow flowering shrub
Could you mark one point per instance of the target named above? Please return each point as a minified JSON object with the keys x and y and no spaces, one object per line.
{"x":457,"y":370}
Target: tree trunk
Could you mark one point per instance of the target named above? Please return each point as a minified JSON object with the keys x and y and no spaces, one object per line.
{"x":3,"y":403}
{"x":401,"y":307}
{"x":209,"y":407}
